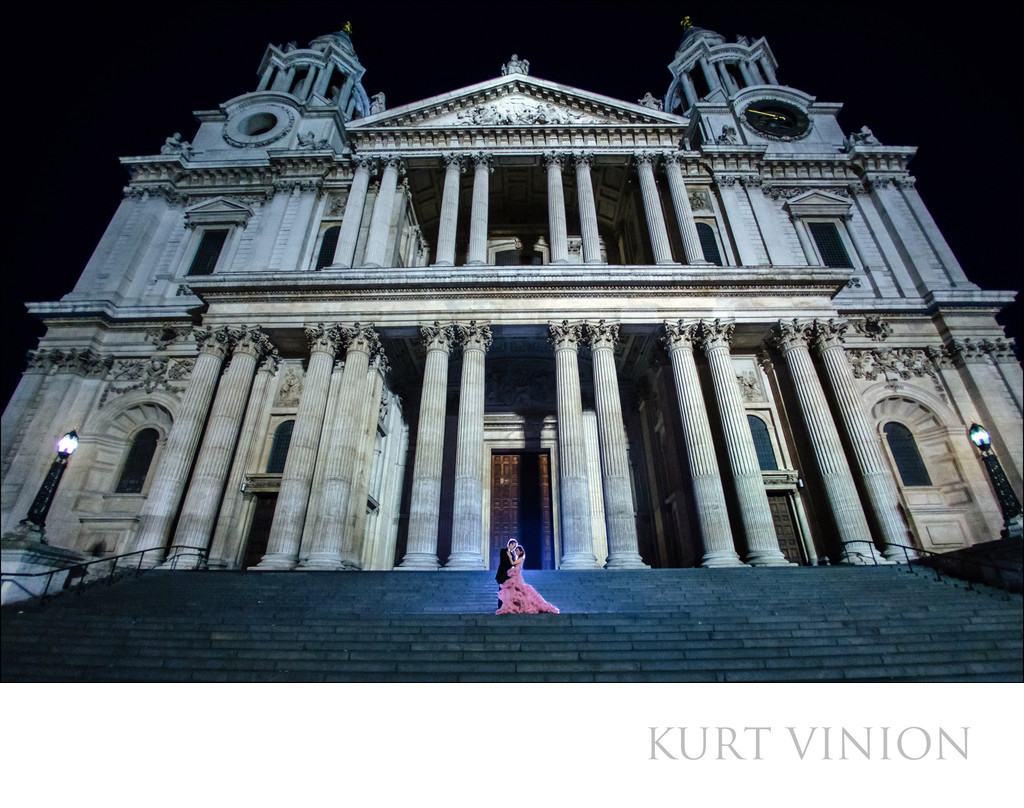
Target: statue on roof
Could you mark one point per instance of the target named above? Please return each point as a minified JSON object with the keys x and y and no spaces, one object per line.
{"x":377,"y":103}
{"x":175,"y":145}
{"x":650,"y":102}
{"x":516,"y":65}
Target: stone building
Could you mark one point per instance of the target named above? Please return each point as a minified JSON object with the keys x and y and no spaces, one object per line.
{"x":710,"y":329}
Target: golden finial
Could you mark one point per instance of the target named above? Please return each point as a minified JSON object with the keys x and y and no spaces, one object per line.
{"x":347,"y":28}
{"x":685,"y":22}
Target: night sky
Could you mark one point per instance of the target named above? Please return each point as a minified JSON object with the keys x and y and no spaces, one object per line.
{"x":96,"y":83}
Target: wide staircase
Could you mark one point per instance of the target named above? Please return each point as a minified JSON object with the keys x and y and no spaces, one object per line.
{"x":788,"y":624}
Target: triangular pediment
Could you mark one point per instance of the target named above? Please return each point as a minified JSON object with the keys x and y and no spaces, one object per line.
{"x":818,"y":203}
{"x":517,"y":101}
{"x":218,"y":210}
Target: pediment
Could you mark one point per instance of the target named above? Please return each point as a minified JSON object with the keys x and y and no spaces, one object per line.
{"x":218,"y":210}
{"x":517,"y":101}
{"x":818,"y":203}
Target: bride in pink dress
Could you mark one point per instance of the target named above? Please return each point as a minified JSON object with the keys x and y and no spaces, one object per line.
{"x":517,"y":596}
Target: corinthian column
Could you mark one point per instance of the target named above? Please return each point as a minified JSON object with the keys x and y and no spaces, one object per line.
{"x":199,"y":511}
{"x":380,"y":223}
{"x":588,"y":210}
{"x":762,"y":544}
{"x":792,"y":338}
{"x":875,"y":474}
{"x":468,"y":527}
{"x":556,"y":211}
{"x":709,"y":498}
{"x":293,"y":497}
{"x":652,"y":210}
{"x":454,"y":165}
{"x":330,"y":537}
{"x":425,"y":505}
{"x":577,"y":544}
{"x":623,"y":549}
{"x":684,"y":213}
{"x":170,"y":477}
{"x":345,"y":252}
{"x":482,"y":167}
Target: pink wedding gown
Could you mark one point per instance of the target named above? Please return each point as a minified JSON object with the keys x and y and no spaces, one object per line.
{"x":518,"y":597}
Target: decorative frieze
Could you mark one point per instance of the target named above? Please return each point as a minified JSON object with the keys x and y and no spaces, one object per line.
{"x":162,"y":336}
{"x":873,"y":327}
{"x":895,"y":366}
{"x":155,"y":373}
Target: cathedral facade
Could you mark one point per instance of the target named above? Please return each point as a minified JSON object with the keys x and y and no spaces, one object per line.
{"x":711,"y":329}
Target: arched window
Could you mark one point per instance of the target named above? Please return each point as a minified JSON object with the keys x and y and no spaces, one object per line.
{"x":708,"y":243}
{"x":328,"y":244}
{"x":137,"y":463}
{"x":279,"y":449}
{"x":905,"y":453}
{"x":762,"y":444}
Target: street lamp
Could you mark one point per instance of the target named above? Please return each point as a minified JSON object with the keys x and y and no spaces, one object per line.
{"x":44,"y":498}
{"x":1008,"y":502}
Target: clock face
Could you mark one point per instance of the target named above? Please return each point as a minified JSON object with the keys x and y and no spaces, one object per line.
{"x":777,"y":119}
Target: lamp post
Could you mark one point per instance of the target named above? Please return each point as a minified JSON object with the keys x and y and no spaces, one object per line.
{"x":1008,"y":502}
{"x":44,"y":498}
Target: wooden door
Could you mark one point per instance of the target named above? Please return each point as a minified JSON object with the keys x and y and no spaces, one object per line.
{"x":785,"y":528}
{"x":521,"y":507}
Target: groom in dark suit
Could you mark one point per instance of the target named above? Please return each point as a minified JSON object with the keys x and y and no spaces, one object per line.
{"x":505,"y":564}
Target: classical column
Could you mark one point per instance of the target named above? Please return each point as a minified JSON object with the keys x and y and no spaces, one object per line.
{"x":556,"y":210}
{"x":762,"y":544}
{"x":202,"y":502}
{"x":344,"y":253}
{"x":623,"y":548}
{"x":293,"y":497}
{"x":370,"y":417}
{"x":652,"y":209}
{"x":380,"y":222}
{"x":425,"y":504}
{"x":329,"y":537}
{"x":588,"y":209}
{"x":455,"y":164}
{"x":709,"y":498}
{"x":876,"y":476}
{"x":710,"y":75}
{"x":684,"y":213}
{"x":467,"y":530}
{"x":482,"y":168}
{"x":577,"y":544}
{"x":766,"y":66}
{"x":791,"y":338}
{"x":169,"y":480}
{"x":805,"y":241}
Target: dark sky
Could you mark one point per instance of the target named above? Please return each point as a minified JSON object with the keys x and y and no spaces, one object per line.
{"x":95,"y":82}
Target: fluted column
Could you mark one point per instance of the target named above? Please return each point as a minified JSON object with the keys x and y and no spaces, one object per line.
{"x":684,"y":212}
{"x":199,"y":511}
{"x":792,"y":338}
{"x":455,"y":164}
{"x":467,"y":530}
{"x":708,"y":495}
{"x":345,"y":252}
{"x":331,"y":531}
{"x":623,"y":548}
{"x":652,"y":209}
{"x":588,"y":209}
{"x":556,"y":211}
{"x":482,"y":168}
{"x":877,"y":477}
{"x":762,"y":544}
{"x":425,"y":505}
{"x":169,"y":480}
{"x":293,"y":497}
{"x":380,"y":222}
{"x":372,"y":402}
{"x":577,"y":543}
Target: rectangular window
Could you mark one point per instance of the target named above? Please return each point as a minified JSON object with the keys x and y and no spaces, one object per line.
{"x":206,"y":256}
{"x":830,"y":245}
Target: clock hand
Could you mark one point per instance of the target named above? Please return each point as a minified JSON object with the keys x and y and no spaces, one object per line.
{"x":767,"y":114}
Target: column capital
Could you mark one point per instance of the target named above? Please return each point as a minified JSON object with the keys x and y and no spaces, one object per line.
{"x":253,"y":342}
{"x":680,"y":334}
{"x":474,"y":336}
{"x":323,"y":339}
{"x":791,"y":334}
{"x":829,"y":333}
{"x":714,"y":334}
{"x":379,"y":362}
{"x":457,"y":160}
{"x":214,"y":341}
{"x":437,"y":337}
{"x":645,"y":159}
{"x":361,"y":339}
{"x":583,"y":159}
{"x":553,"y":159}
{"x":394,"y":161}
{"x":565,"y":335}
{"x":602,"y":335}
{"x":271,"y":362}
{"x":483,"y":159}
{"x":673,"y":158}
{"x":365,"y":162}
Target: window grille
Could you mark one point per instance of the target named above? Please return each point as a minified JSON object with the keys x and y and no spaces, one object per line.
{"x":279,"y":448}
{"x":905,"y":453}
{"x":209,"y":251}
{"x":708,"y":243}
{"x":762,"y":444}
{"x":137,"y":463}
{"x":830,"y":245}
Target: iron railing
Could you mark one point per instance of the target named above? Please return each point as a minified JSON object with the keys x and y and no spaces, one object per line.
{"x":78,"y":574}
{"x":1007,"y":579}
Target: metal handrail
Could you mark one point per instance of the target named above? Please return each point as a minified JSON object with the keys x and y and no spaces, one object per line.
{"x":913,"y":554}
{"x":77,"y":571}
